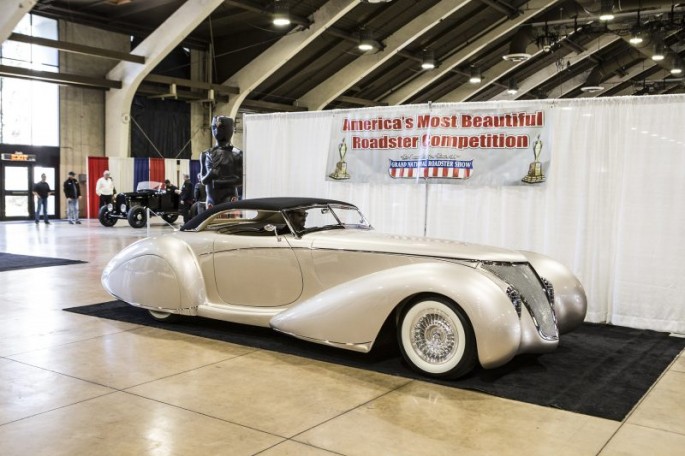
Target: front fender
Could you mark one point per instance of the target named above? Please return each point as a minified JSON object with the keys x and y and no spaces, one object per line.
{"x":156,"y":273}
{"x":570,"y":302}
{"x":351,"y":314}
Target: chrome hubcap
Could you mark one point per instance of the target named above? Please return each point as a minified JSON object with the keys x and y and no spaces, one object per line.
{"x":433,"y":337}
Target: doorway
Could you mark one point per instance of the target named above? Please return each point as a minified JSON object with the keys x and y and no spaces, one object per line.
{"x":16,"y":191}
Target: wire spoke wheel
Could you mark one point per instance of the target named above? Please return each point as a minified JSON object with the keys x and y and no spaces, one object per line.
{"x":436,"y":338}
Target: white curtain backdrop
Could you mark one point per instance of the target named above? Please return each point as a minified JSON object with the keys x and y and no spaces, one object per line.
{"x":611,"y":208}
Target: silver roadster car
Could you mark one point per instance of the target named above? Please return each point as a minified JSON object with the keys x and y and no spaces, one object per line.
{"x":315,"y":269}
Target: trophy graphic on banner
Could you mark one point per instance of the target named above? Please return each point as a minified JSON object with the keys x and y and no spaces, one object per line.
{"x":340,"y":172}
{"x":535,"y":169}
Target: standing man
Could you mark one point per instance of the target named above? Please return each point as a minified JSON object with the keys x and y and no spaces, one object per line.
{"x":41,"y":190}
{"x":185,"y":197}
{"x":104,"y":188}
{"x":72,"y":191}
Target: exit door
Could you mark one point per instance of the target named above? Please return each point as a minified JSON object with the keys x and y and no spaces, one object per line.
{"x":16,"y":194}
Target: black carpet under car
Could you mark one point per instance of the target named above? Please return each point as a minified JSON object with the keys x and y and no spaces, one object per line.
{"x":597,"y":370}
{"x":10,"y":261}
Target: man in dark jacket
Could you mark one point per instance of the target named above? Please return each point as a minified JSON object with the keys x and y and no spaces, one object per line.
{"x":72,"y":191}
{"x":185,"y":197}
{"x":41,"y":190}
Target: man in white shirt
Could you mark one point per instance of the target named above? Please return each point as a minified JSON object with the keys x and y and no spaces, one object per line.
{"x":104,"y":188}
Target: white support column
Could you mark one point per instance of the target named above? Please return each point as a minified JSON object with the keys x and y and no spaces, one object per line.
{"x":267,"y":63}
{"x":12,"y":13}
{"x":535,"y":7}
{"x":337,"y":84}
{"x":154,"y":48}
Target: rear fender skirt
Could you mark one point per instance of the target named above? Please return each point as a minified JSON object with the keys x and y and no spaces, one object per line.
{"x":156,"y":273}
{"x":352,"y":313}
{"x":570,"y":302}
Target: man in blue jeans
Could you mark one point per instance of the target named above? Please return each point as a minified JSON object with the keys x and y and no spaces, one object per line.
{"x":42,"y":190}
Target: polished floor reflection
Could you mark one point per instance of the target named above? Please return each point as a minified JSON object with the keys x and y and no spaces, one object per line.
{"x":79,"y":385}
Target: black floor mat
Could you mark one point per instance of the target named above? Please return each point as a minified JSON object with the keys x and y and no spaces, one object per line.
{"x":10,"y":261}
{"x":598,"y":370}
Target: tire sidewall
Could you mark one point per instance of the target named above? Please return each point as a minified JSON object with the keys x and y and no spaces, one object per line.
{"x":133,"y":219}
{"x":104,"y":218}
{"x":461,"y":361}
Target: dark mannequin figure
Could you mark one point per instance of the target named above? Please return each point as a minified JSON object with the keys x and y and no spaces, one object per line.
{"x":221,"y":167}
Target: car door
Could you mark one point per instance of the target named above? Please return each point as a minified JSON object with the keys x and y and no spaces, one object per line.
{"x":258,"y":271}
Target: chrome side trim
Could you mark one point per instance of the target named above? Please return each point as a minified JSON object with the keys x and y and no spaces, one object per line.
{"x":363,"y":347}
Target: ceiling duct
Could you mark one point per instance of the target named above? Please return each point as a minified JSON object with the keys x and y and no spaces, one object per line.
{"x":519,"y":44}
{"x":594,"y":7}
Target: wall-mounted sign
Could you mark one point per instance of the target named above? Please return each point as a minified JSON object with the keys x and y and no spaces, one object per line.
{"x":19,"y":156}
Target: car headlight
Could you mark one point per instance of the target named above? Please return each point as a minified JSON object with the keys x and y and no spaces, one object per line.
{"x":549,"y":290}
{"x":110,"y":207}
{"x":122,"y":208}
{"x":515,"y":298}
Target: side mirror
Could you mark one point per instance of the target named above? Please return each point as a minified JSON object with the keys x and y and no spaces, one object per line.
{"x":272,"y":228}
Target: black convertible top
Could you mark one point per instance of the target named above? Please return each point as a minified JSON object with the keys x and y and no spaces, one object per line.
{"x":265,"y":204}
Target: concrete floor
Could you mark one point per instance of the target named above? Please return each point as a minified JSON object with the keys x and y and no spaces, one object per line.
{"x":79,"y":385}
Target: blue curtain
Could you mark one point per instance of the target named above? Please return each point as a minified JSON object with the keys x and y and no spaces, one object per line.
{"x":194,"y":171}
{"x":141,"y":171}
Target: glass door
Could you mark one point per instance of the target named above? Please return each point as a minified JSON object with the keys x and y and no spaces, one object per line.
{"x":16,"y":196}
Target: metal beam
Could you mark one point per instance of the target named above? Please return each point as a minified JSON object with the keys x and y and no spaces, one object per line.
{"x":77,"y":48}
{"x":59,"y":78}
{"x":275,"y":107}
{"x":218,"y":88}
{"x":359,"y":101}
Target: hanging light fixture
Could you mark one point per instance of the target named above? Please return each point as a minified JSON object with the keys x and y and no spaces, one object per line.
{"x":635,"y":37}
{"x":428,"y":60}
{"x":677,"y":68}
{"x":513,"y":88}
{"x":366,"y":41}
{"x":281,"y":16}
{"x":659,"y":52}
{"x":636,"y":34}
{"x":606,"y":12}
{"x":475,"y":76}
{"x":593,"y":81}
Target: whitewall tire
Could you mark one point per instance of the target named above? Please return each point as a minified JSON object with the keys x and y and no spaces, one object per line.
{"x":163,"y":316}
{"x":436,"y":338}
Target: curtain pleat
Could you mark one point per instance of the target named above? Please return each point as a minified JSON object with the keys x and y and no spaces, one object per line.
{"x":141,"y":171}
{"x":157,"y":169}
{"x":96,"y":167}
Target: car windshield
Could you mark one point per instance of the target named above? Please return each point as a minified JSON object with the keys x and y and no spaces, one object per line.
{"x":299,"y":221}
{"x":308,"y":219}
{"x":149,"y":185}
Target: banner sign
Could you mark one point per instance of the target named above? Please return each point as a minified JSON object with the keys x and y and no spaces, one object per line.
{"x":410,"y":143}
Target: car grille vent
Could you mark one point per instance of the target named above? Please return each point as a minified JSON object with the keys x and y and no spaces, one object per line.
{"x":522,"y":277}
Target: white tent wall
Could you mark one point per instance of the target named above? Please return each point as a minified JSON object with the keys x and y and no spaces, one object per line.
{"x":611,"y":209}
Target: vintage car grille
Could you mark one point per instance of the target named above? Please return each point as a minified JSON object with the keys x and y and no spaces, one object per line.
{"x":522,"y":277}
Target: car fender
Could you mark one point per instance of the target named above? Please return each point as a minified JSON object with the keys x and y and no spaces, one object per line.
{"x":156,"y":273}
{"x":570,"y":301}
{"x":350,"y":315}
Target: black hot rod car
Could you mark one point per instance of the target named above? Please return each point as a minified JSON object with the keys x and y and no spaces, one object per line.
{"x":133,"y":205}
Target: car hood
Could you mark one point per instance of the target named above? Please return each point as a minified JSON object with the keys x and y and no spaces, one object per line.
{"x":372,"y":241}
